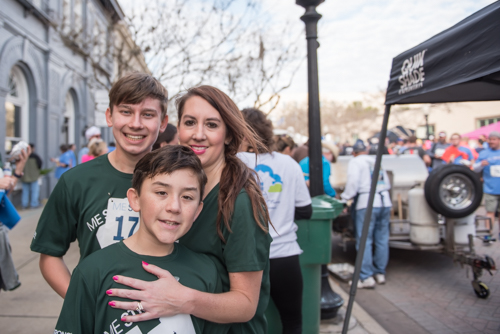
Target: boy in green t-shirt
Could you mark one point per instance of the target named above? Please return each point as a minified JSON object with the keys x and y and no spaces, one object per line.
{"x":167,"y":189}
{"x":89,"y":202}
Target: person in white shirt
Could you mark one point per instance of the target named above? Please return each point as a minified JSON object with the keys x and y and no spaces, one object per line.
{"x":359,"y":178}
{"x":287,"y":198}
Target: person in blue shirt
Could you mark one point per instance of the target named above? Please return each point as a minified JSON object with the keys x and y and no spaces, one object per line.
{"x":304,"y":164}
{"x":488,"y":162}
{"x":63,"y":163}
{"x":72,"y":155}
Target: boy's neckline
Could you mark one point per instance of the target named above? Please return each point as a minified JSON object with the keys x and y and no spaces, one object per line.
{"x":138,"y":254}
{"x":133,"y":244}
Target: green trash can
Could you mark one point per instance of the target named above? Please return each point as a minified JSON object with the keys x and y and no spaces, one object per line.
{"x":314,"y":237}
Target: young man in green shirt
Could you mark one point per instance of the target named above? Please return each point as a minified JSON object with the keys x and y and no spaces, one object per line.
{"x":167,"y":189}
{"x":89,"y":201}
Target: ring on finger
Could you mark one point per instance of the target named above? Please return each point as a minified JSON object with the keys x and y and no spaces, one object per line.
{"x":139,"y":308}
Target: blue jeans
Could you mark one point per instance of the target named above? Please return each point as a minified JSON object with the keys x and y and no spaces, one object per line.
{"x":30,"y":188}
{"x":374,"y":262}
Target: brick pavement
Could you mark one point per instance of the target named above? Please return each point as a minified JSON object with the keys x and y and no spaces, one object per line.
{"x":432,"y":291}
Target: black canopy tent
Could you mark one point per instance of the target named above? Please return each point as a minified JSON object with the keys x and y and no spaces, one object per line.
{"x":459,"y":64}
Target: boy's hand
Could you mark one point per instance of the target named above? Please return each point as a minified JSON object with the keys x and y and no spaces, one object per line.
{"x":161,"y":298}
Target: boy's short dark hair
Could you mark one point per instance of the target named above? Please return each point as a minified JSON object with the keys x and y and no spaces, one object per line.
{"x":134,"y":87}
{"x":167,"y":160}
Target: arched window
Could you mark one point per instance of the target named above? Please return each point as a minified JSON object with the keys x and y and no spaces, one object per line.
{"x":16,"y":110}
{"x":69,"y":119}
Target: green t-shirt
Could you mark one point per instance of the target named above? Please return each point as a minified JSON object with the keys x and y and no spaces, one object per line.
{"x":246,"y":249}
{"x":88,"y":203}
{"x":86,"y":310}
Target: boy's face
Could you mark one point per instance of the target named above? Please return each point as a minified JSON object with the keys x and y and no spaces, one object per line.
{"x":136,"y":126}
{"x":168,"y":203}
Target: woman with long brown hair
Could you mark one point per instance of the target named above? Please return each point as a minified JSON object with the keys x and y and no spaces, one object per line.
{"x":232,"y":227}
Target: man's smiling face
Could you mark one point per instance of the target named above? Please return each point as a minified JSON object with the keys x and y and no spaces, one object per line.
{"x":136,"y":126}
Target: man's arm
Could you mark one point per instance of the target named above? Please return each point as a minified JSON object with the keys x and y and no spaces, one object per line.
{"x":480,"y":163}
{"x":56,"y":273}
{"x":431,"y":152}
{"x":351,"y":186}
{"x":303,"y":212}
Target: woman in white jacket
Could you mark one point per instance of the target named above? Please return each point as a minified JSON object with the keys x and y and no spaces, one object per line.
{"x":287,"y":198}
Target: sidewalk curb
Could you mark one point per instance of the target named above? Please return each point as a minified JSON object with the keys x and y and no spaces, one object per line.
{"x":363,"y":318}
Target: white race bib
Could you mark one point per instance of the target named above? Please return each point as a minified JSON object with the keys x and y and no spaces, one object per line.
{"x":439,"y":152}
{"x":180,"y":323}
{"x":495,"y":171}
{"x":121,"y":222}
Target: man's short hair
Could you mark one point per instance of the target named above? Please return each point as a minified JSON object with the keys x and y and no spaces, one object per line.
{"x":167,"y":160}
{"x":134,"y":88}
{"x":412,"y":139}
{"x":494,"y":134}
{"x":456,"y":134}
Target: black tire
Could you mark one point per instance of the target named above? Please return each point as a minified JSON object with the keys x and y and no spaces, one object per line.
{"x":453,"y":191}
{"x":481,"y":290}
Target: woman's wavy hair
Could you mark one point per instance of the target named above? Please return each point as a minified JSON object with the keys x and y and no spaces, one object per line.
{"x":236,"y":175}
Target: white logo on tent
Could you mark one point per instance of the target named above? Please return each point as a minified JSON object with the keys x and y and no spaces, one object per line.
{"x":412,"y":73}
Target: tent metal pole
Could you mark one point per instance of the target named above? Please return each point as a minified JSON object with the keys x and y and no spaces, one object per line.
{"x":366,"y":223}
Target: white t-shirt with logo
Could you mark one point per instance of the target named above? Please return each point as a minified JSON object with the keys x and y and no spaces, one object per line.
{"x":284,"y":188}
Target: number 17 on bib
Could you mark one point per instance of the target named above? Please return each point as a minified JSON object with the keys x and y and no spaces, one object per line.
{"x":121,"y":222}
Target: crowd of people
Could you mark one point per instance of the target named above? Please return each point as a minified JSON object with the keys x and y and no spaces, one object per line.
{"x":434,"y":152}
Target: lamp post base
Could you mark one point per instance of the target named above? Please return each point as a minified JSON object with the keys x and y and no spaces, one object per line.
{"x":331,"y":302}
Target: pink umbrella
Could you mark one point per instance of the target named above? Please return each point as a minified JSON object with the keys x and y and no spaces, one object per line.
{"x":485,"y":130}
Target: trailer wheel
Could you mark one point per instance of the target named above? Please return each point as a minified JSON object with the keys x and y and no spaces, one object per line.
{"x":453,"y":191}
{"x":481,"y":290}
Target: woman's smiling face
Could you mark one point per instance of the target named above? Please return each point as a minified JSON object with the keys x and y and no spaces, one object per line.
{"x":202,"y":129}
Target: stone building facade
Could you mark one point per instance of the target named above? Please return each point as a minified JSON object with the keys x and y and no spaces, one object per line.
{"x":57,"y":60}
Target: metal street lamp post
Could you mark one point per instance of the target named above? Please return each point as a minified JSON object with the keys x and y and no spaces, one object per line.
{"x":311,"y":18}
{"x":330,"y":301}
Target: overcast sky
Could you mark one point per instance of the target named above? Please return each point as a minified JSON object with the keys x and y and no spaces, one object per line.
{"x":359,"y":38}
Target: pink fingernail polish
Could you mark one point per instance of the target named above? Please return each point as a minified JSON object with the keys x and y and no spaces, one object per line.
{"x":111,"y":303}
{"x":115,"y":278}
{"x":123,"y":319}
{"x":109,"y":292}
{"x":145,"y":263}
